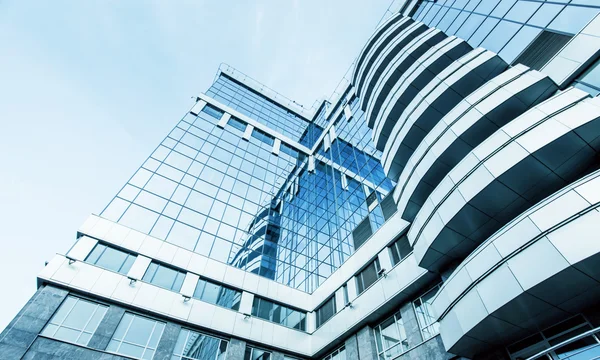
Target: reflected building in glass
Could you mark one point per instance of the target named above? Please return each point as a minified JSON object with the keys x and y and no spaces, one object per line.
{"x":441,"y":204}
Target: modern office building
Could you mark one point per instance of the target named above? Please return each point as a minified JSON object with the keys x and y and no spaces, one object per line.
{"x":443,"y":204}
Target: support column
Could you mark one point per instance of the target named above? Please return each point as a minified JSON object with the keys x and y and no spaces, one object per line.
{"x":236,"y":349}
{"x":24,"y":328}
{"x":351,"y":347}
{"x":167,"y":342}
{"x":106,"y":328}
{"x":411,"y":325}
{"x":365,"y":339}
{"x":276,"y":356}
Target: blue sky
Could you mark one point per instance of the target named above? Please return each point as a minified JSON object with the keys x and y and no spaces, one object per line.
{"x":88,"y":88}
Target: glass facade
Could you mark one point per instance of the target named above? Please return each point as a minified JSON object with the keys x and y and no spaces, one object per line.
{"x":425,"y":314}
{"x":111,"y":259}
{"x":506,"y":27}
{"x":211,"y":189}
{"x":136,"y":336}
{"x":192,"y":345}
{"x":390,"y":337}
{"x":75,"y":321}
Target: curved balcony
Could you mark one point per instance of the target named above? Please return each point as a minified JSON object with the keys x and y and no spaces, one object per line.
{"x":541,"y":268}
{"x":473,"y":120}
{"x":386,"y":25}
{"x":400,"y":54}
{"x":385,"y":52}
{"x":438,"y":97}
{"x":526,"y":160}
{"x":401,"y":91}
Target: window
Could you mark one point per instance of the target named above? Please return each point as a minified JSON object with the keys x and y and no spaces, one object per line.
{"x":256,"y":354}
{"x":217,"y":294}
{"x":390,"y":337}
{"x":542,"y":49}
{"x":75,"y":321}
{"x":424,"y":311}
{"x":326,"y":311}
{"x":368,"y":276}
{"x":400,"y":249}
{"x":163,"y":276}
{"x":111,"y":259}
{"x":238,"y":124}
{"x":279,"y":314}
{"x":554,"y":335}
{"x":136,"y":336}
{"x":212,"y":111}
{"x":194,"y":345}
{"x":339,"y":354}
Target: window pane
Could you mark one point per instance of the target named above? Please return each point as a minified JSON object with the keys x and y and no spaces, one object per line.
{"x":136,"y":336}
{"x":139,"y":331}
{"x":73,"y":318}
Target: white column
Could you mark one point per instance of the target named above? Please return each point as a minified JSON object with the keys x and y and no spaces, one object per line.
{"x":344,"y":182}
{"x":385,"y":259}
{"x":246,"y":303}
{"x":276,"y":146}
{"x":198,"y":107}
{"x":223,"y":121}
{"x":248,"y":132}
{"x":138,"y":269}
{"x":82,"y":248}
{"x":189,"y":284}
{"x":311,"y":163}
{"x":326,"y":142}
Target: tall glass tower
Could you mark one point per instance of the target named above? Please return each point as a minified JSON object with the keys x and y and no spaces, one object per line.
{"x":442,"y":204}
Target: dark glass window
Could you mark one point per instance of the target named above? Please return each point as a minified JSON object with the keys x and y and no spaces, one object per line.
{"x":279,"y":314}
{"x":111,"y":259}
{"x":75,"y":321}
{"x":192,"y":345}
{"x":368,"y":276}
{"x":400,"y":249}
{"x":256,"y":354}
{"x":325,"y":311}
{"x":238,"y":124}
{"x":217,"y":294}
{"x":212,"y":111}
{"x":164,"y":276}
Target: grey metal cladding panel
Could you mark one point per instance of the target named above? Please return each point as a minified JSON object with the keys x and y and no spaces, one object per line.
{"x":413,"y":56}
{"x":540,"y":278}
{"x":417,"y":129}
{"x":411,"y":90}
{"x":420,"y":81}
{"x":409,"y":58}
{"x":484,"y":126}
{"x":408,"y":34}
{"x":511,"y":181}
{"x":372,"y":41}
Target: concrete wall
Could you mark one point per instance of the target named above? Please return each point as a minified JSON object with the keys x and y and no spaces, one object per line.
{"x":24,"y":328}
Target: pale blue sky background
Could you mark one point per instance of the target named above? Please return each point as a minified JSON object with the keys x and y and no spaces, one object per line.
{"x":88,"y":88}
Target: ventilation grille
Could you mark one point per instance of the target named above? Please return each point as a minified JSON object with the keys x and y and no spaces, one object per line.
{"x":542,"y":49}
{"x":362,"y":232}
{"x":388,"y":207}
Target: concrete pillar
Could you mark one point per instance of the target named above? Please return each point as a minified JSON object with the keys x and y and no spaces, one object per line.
{"x":236,"y":349}
{"x":351,"y":347}
{"x":106,"y":328}
{"x":276,"y":356}
{"x":167,"y":342}
{"x":24,"y":328}
{"x":411,"y":325}
{"x":366,"y":344}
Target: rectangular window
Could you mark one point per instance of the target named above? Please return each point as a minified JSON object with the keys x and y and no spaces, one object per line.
{"x":75,"y":320}
{"x":390,"y":337}
{"x":368,"y":276}
{"x":111,"y":259}
{"x":164,"y":276}
{"x":136,"y":336}
{"x":212,"y":111}
{"x":325,"y":311}
{"x":238,"y":124}
{"x":279,"y":314}
{"x":192,"y":345}
{"x":256,"y":354}
{"x":400,"y":249}
{"x":425,"y":316}
{"x":339,"y":354}
{"x":217,"y":294}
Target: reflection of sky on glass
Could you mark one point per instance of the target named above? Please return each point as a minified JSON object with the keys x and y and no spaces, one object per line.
{"x":207,"y":189}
